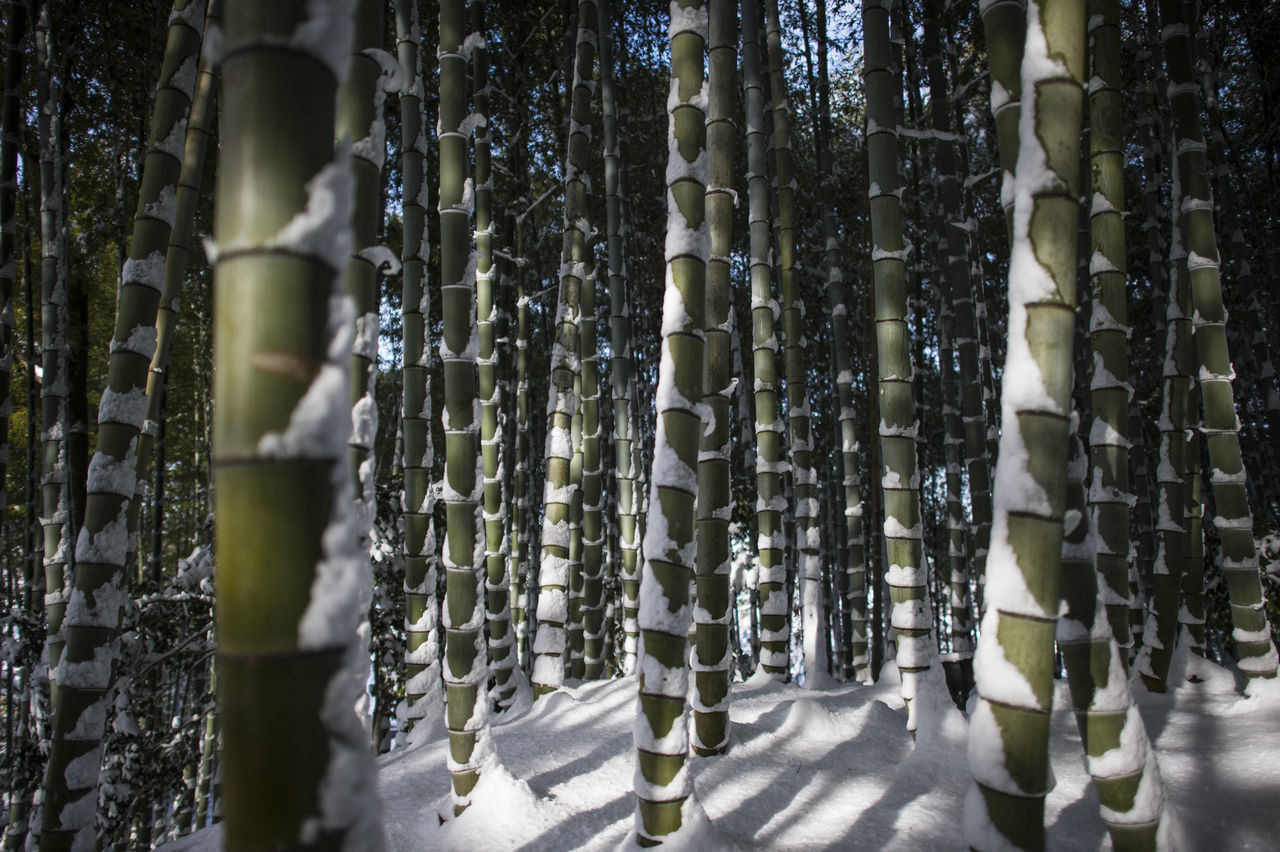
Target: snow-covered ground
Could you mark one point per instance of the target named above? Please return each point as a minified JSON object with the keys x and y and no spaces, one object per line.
{"x":826,"y":768}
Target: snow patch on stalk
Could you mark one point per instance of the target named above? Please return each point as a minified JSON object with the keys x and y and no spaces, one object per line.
{"x":321,"y":230}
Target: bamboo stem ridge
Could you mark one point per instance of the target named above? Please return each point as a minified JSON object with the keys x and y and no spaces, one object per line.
{"x":661,"y":732}
{"x":296,"y":761}
{"x":423,"y":690}
{"x":1014,"y":662}
{"x":99,"y":596}
{"x":1193,"y":203}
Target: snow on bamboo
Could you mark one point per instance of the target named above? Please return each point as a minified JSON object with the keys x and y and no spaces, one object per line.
{"x":662,"y":781}
{"x":1013,"y":664}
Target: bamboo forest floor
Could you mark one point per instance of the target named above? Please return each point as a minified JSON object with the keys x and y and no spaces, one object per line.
{"x":826,"y":768}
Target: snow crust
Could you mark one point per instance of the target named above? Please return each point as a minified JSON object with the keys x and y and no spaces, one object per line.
{"x":827,"y":769}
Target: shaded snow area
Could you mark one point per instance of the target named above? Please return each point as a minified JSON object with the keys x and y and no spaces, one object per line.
{"x":830,"y":768}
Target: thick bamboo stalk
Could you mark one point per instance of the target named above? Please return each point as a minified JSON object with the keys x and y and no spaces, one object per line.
{"x":960,"y":288}
{"x":662,"y":782}
{"x":424,"y":697}
{"x":800,"y":446}
{"x":296,"y":761}
{"x":1014,"y":663}
{"x":492,"y":420}
{"x":712,"y":654}
{"x":466,"y":670}
{"x":577,"y":269}
{"x":898,"y":426}
{"x":764,"y":315}
{"x":1110,"y":497}
{"x":520,"y":532}
{"x":1118,"y":753}
{"x":592,"y":608}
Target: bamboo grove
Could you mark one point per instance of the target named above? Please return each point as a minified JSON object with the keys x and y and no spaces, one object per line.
{"x":530,"y":344}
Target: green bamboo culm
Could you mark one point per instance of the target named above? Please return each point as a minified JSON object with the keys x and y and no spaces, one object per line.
{"x":713,"y":655}
{"x":577,"y":271}
{"x":574,"y":665}
{"x":589,"y":623}
{"x":1265,"y":454}
{"x":1179,"y":552}
{"x":1146,"y":481}
{"x":520,"y":478}
{"x":956,"y":535}
{"x":793,"y":342}
{"x":1179,"y":544}
{"x":771,"y":541}
{"x":100,"y":587}
{"x":1110,"y":496}
{"x":497,"y":585}
{"x":593,"y":604}
{"x":295,"y":761}
{"x":854,"y":611}
{"x":591,"y":614}
{"x":203,"y":106}
{"x":960,"y":286}
{"x":1118,"y":752}
{"x":206,"y":789}
{"x":661,"y":734}
{"x":466,"y":673}
{"x":1014,"y":662}
{"x":900,"y":480}
{"x":620,"y":377}
{"x":424,"y":698}
{"x":1192,"y":198}
{"x":1004,"y":30}
{"x":359,"y":123}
